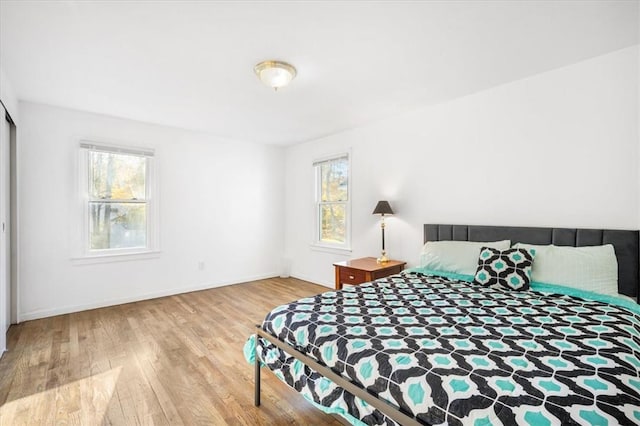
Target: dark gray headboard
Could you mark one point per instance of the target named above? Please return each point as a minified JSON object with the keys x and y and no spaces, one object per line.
{"x":626,"y":243}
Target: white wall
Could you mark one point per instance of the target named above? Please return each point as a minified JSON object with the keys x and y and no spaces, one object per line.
{"x":556,"y":149}
{"x":221,"y":202}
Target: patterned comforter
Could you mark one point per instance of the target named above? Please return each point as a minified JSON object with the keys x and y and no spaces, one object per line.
{"x":449,"y":352}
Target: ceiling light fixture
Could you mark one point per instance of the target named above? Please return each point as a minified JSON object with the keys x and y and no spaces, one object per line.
{"x":275,"y":74}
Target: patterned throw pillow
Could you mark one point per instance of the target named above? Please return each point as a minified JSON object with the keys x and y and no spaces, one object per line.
{"x":509,"y":268}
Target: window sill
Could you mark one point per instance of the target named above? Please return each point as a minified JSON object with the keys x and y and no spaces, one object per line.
{"x":345,"y":251}
{"x":116,"y":257}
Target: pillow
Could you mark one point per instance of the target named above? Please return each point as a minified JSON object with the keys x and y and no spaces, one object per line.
{"x":590,"y":268}
{"x":625,"y":297}
{"x":509,"y":268}
{"x":460,"y":257}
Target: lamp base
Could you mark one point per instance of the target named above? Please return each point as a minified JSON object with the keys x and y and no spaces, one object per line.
{"x":383,"y":258}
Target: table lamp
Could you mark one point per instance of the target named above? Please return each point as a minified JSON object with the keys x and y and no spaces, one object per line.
{"x":383,"y":208}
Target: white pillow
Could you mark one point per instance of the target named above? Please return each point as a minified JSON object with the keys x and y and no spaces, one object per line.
{"x":590,"y":268}
{"x":460,"y":257}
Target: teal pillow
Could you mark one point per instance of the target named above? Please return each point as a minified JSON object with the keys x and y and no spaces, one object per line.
{"x":509,"y":268}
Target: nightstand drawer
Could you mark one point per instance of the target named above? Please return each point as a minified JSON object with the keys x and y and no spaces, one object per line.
{"x":386,"y":272}
{"x":352,"y":276}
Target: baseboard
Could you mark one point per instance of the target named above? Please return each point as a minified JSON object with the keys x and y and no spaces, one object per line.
{"x":312,"y":280}
{"x":44,"y":313}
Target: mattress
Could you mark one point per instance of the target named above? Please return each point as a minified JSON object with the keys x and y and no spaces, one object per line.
{"x":445,"y":351}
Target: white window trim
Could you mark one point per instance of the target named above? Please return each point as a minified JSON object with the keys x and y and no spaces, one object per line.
{"x":316,"y":243}
{"x":84,"y":254}
{"x":115,"y":257}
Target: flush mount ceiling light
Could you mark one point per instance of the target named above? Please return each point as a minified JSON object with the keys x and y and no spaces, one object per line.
{"x":275,"y":74}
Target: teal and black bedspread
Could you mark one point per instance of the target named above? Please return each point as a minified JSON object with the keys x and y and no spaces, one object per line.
{"x":450,"y":352}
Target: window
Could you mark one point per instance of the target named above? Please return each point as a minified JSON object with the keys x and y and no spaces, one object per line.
{"x":332,"y":202}
{"x":117,"y":206}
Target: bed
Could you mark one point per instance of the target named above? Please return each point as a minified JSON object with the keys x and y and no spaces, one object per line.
{"x":418,"y":348}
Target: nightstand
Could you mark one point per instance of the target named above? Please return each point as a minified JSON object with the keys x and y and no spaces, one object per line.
{"x":358,"y":271}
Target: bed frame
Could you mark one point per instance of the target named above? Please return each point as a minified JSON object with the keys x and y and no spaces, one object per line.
{"x":626,"y":245}
{"x":383,"y":406}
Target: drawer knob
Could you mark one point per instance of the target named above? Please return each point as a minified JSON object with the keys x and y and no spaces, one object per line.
{"x":351,"y":277}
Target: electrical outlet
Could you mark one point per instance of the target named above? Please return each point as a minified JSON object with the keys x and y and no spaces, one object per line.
{"x":201,"y":265}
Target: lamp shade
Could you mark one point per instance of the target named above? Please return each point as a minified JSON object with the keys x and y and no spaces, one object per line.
{"x":382,"y":208}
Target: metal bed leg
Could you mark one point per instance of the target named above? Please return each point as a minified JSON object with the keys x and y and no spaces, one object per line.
{"x":257,"y":375}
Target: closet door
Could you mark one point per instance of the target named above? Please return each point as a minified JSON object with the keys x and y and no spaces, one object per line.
{"x":5,"y":240}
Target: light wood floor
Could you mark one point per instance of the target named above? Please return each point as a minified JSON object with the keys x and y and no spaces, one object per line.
{"x":175,"y":360}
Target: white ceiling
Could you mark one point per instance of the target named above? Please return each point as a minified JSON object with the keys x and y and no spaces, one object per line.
{"x":190,"y":64}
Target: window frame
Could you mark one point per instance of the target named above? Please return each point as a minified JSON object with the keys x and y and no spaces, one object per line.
{"x":317,"y":243}
{"x":152,"y":240}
